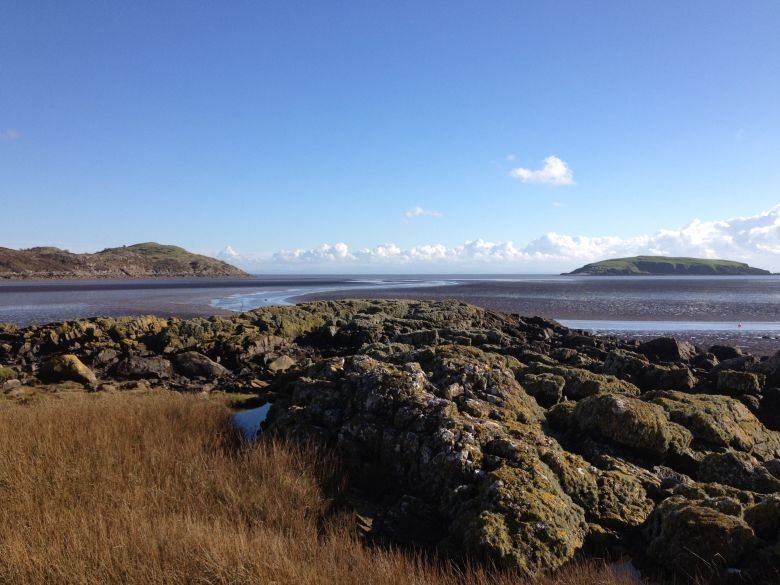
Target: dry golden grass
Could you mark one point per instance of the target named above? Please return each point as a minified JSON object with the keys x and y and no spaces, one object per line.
{"x":154,"y":489}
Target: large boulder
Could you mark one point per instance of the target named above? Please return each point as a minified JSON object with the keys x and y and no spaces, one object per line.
{"x":193,"y":364}
{"x":770,"y":368}
{"x":734,"y":383}
{"x":581,"y":383}
{"x":718,"y":422}
{"x":692,"y":540}
{"x":764,"y":518}
{"x":64,"y":368}
{"x":630,"y":422}
{"x":739,"y":470}
{"x":143,"y":368}
{"x":463,"y":437}
{"x":667,"y":349}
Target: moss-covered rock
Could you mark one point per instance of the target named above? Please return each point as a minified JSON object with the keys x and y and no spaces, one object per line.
{"x":764,"y":518}
{"x":718,"y":422}
{"x":629,"y":422}
{"x":66,"y":367}
{"x":734,"y":383}
{"x":739,"y":470}
{"x":693,"y":540}
{"x":583,"y":383}
{"x":523,"y":519}
{"x":546,"y":388}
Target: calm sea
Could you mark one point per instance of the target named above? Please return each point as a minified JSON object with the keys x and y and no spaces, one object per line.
{"x":737,"y":310}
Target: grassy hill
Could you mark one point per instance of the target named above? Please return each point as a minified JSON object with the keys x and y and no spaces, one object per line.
{"x":137,"y":261}
{"x":666,"y":265}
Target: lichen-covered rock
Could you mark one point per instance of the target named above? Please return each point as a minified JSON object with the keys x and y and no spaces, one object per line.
{"x":734,"y":383}
{"x":626,"y":365}
{"x":66,"y":367}
{"x":739,"y":470}
{"x":583,"y":383}
{"x":692,"y":540}
{"x":629,"y":422}
{"x":718,"y":422}
{"x":143,"y":367}
{"x":546,"y":388}
{"x":522,"y":519}
{"x":466,"y":438}
{"x":666,"y":377}
{"x":764,"y":518}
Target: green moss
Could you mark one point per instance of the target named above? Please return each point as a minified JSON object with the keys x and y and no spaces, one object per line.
{"x":6,"y":374}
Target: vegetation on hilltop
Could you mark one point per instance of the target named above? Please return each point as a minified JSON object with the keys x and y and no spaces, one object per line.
{"x":667,"y":265}
{"x":137,"y":261}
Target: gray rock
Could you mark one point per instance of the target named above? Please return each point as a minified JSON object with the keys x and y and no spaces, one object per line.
{"x":193,"y":364}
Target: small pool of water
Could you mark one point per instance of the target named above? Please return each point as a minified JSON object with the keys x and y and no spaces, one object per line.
{"x":248,"y":422}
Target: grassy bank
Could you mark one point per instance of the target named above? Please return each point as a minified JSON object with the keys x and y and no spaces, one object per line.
{"x":115,"y":488}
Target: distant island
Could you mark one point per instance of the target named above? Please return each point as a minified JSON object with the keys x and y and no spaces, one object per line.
{"x":137,"y":261}
{"x":666,"y":265}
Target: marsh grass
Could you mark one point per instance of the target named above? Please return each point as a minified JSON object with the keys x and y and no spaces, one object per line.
{"x":116,"y":488}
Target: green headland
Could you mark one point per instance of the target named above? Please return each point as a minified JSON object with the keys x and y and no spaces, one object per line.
{"x":667,"y":265}
{"x":137,"y":261}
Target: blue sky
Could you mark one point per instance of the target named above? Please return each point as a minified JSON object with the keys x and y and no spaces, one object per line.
{"x":282,"y":128}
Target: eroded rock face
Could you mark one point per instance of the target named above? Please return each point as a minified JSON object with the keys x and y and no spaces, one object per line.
{"x":506,"y":438}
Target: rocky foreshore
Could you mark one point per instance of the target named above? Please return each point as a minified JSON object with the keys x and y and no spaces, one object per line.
{"x":501,"y":437}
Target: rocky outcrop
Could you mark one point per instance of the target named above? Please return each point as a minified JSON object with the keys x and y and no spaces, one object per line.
{"x":500,"y":437}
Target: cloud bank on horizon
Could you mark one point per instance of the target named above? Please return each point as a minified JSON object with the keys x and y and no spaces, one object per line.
{"x":754,"y":239}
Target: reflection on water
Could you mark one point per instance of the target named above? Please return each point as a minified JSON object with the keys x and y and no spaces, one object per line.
{"x":246,"y":301}
{"x":248,"y":422}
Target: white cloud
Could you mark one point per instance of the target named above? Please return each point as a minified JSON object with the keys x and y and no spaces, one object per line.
{"x":554,"y":172}
{"x":10,"y":135}
{"x":415,"y":212}
{"x":325,"y":253}
{"x":754,"y":239}
{"x":228,"y":254}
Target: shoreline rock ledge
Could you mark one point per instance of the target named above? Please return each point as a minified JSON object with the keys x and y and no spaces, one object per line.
{"x":507,"y":438}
